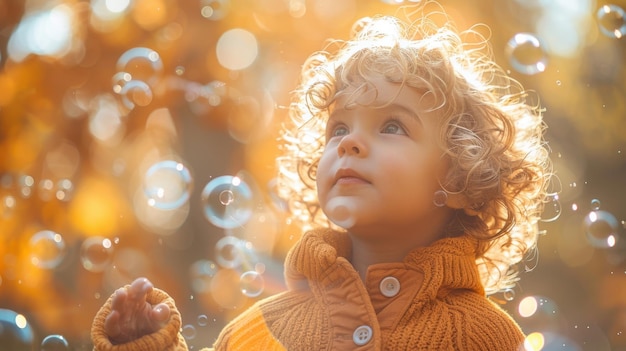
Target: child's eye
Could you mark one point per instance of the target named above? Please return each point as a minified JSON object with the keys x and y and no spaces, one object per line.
{"x":339,"y":130}
{"x":393,"y":127}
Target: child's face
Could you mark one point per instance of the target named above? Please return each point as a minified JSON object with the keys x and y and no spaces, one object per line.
{"x":381,"y":165}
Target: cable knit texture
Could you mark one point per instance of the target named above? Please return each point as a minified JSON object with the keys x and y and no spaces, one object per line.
{"x":432,"y":300}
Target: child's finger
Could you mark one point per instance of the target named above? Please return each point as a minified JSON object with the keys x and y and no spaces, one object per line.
{"x":117,"y":304}
{"x":112,"y":324}
{"x":160,"y":313}
{"x":140,"y":287}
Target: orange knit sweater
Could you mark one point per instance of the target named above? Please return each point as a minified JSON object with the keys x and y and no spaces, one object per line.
{"x":433,"y":300}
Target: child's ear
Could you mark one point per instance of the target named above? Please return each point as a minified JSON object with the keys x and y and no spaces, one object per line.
{"x":459,"y":201}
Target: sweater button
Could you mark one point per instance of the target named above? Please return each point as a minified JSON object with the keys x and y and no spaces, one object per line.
{"x":362,"y":335}
{"x":389,"y":286}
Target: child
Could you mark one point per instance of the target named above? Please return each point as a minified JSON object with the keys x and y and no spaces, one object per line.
{"x":429,"y":170}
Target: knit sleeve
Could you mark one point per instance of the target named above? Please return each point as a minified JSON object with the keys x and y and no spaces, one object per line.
{"x":489,"y":328}
{"x":247,"y":332}
{"x":167,"y":338}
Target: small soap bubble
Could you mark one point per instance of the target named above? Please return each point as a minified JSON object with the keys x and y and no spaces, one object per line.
{"x":508,"y":294}
{"x":601,"y":228}
{"x":47,"y":249}
{"x":552,"y":208}
{"x":167,"y":185}
{"x":227,"y":202}
{"x":252,"y":283}
{"x":226,"y":197}
{"x":526,"y":54}
{"x":595,"y":204}
{"x":612,"y":21}
{"x":189,"y":332}
{"x":229,"y":252}
{"x":54,"y":343}
{"x":96,"y":253}
{"x":203,"y":320}
{"x":136,"y":92}
{"x":340,"y":212}
{"x":143,"y":64}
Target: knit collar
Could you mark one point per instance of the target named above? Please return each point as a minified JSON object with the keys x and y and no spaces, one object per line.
{"x":447,"y":264}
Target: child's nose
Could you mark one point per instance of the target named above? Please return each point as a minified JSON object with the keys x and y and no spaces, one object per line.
{"x":352,"y":145}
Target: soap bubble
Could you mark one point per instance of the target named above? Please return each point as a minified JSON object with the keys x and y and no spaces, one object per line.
{"x":167,"y":185}
{"x":189,"y":332}
{"x":612,"y":21}
{"x":601,"y":228}
{"x":119,"y":80}
{"x":526,"y":54}
{"x":252,"y":283}
{"x":136,"y":92}
{"x":47,"y":249}
{"x":203,"y":320}
{"x":595,"y":204}
{"x":508,"y":294}
{"x":16,"y":333}
{"x":340,"y":211}
{"x":143,"y":64}
{"x":227,"y":202}
{"x":96,"y":253}
{"x":229,"y":251}
{"x":552,"y":208}
{"x":54,"y":343}
{"x":201,"y":274}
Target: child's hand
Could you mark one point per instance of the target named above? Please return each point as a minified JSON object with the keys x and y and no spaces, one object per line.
{"x":132,"y":316}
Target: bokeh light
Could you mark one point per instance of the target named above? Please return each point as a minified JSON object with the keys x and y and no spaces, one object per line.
{"x":47,"y":33}
{"x":102,"y":100}
{"x":237,"y":49}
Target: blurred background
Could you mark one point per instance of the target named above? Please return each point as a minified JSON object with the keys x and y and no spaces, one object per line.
{"x":138,"y":138}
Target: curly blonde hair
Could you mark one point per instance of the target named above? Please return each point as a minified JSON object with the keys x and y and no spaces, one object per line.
{"x":491,"y":136}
